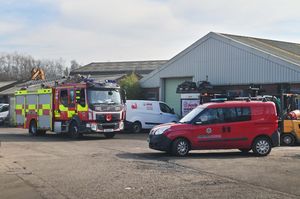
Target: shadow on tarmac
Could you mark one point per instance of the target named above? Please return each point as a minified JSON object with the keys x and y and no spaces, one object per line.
{"x":163,"y":156}
{"x":52,"y":137}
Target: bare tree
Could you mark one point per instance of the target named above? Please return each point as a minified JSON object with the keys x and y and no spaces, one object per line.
{"x":15,"y":66}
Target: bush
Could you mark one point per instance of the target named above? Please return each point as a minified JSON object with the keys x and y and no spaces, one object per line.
{"x":131,"y":85}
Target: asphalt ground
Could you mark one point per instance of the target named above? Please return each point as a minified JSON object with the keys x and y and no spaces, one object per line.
{"x":55,"y":166}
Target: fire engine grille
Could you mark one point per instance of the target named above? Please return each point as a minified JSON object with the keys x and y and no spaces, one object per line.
{"x":102,"y":118}
{"x":108,"y":126}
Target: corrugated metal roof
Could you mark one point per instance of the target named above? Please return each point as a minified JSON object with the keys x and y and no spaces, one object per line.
{"x":141,"y":67}
{"x":286,"y":50}
{"x":230,"y":59}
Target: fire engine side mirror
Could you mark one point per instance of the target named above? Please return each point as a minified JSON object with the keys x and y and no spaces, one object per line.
{"x":123,"y":95}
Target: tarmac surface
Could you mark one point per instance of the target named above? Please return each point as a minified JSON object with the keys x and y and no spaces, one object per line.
{"x":54,"y":166}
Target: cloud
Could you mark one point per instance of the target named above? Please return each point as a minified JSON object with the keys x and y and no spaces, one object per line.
{"x":98,"y":30}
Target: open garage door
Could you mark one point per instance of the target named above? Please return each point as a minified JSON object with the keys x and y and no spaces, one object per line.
{"x":171,"y":97}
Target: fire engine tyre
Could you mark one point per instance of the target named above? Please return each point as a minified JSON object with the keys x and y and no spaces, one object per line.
{"x":33,"y":128}
{"x":180,"y":147}
{"x":41,"y":132}
{"x":287,"y":139}
{"x":136,"y":127}
{"x":73,"y":130}
{"x":109,"y":135}
{"x":261,"y":146}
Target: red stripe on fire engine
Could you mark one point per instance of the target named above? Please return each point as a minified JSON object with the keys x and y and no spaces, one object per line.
{"x":19,"y":112}
{"x":46,"y":112}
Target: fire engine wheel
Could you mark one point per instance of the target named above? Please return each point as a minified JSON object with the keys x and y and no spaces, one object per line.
{"x":261,"y":146}
{"x":109,"y":135}
{"x":73,"y":130}
{"x":136,"y":127}
{"x":32,"y":128}
{"x":41,"y":132}
{"x":180,"y":147}
{"x":287,"y":139}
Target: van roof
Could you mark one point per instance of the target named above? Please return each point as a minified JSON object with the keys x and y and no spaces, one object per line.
{"x":236,"y":103}
{"x":144,"y":101}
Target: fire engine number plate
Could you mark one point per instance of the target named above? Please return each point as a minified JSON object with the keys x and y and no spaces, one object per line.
{"x":108,"y":130}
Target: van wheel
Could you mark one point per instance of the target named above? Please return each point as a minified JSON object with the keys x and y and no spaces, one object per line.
{"x":32,"y":128}
{"x":261,"y":146}
{"x":73,"y":130}
{"x":180,"y":147}
{"x":136,"y":127}
{"x":288,"y":139}
{"x":109,"y":135}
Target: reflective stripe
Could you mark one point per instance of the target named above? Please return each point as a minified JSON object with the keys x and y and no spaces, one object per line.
{"x":42,"y":91}
{"x":56,"y":113}
{"x":80,"y":108}
{"x":19,"y":106}
{"x":71,"y":113}
{"x":21,"y":92}
{"x":46,"y":106}
{"x":63,"y":108}
{"x":31,"y":106}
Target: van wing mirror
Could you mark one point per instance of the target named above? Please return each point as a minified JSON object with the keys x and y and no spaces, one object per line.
{"x":172,"y":111}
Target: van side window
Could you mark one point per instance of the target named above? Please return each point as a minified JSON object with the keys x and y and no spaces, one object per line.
{"x":165,"y":108}
{"x":64,"y":97}
{"x":237,"y":114}
{"x":210,"y":116}
{"x":229,"y":115}
{"x":243,"y":114}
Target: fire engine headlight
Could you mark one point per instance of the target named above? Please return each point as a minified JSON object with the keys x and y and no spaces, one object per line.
{"x":121,"y":125}
{"x":160,"y":130}
{"x":94,"y":127}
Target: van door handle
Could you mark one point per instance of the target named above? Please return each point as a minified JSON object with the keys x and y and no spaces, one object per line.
{"x":224,"y":129}
{"x":228,"y":129}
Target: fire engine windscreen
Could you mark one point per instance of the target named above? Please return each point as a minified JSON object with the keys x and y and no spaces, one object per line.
{"x":98,"y":97}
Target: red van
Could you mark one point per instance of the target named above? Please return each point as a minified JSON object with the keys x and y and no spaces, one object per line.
{"x":243,"y":125}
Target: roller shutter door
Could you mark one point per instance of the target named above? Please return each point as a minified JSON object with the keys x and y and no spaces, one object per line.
{"x":171,"y":97}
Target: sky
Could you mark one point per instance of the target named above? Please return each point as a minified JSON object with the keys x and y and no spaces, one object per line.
{"x":136,"y":30}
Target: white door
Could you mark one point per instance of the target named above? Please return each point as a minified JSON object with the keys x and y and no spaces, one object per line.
{"x":167,"y":114}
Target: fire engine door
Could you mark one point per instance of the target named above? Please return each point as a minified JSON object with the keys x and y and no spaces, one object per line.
{"x":81,"y":105}
{"x":66,"y":104}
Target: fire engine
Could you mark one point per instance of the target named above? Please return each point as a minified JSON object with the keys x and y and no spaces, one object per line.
{"x":74,"y":108}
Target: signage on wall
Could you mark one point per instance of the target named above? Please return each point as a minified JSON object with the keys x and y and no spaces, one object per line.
{"x":188,"y":104}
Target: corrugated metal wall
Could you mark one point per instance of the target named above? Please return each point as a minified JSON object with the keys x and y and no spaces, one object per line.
{"x":227,"y":62}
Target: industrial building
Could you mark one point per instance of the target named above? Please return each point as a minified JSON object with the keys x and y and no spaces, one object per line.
{"x":231,"y":64}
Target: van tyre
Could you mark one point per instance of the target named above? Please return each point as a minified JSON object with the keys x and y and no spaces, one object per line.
{"x":261,"y":146}
{"x":73,"y":130}
{"x":180,"y":147}
{"x":33,"y":128}
{"x":136,"y":127}
{"x":109,"y":135}
{"x":287,"y":139}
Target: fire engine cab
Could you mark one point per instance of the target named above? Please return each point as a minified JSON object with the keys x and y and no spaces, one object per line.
{"x":74,"y":108}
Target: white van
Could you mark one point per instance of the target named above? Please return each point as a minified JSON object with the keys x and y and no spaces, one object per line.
{"x":142,"y":114}
{"x":4,"y":112}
